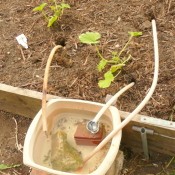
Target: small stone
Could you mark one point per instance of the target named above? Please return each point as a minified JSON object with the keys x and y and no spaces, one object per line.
{"x":117,"y":46}
{"x":19,"y":59}
{"x":8,"y":53}
{"x":125,"y":171}
{"x":119,"y":19}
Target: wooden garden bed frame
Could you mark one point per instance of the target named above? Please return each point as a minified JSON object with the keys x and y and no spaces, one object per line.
{"x":27,"y":103}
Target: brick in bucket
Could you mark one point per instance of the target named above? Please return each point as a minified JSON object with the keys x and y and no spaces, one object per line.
{"x":84,"y":137}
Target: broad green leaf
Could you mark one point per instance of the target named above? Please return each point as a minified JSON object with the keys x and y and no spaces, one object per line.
{"x":90,"y":37}
{"x":108,"y":75}
{"x":135,"y":33}
{"x":106,"y":82}
{"x":52,"y":20}
{"x":114,"y":68}
{"x":40,"y":7}
{"x":4,"y":167}
{"x":101,"y":65}
{"x":65,"y":6}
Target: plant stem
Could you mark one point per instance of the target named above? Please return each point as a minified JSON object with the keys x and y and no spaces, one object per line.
{"x":113,"y":62}
{"x":123,"y":49}
{"x":117,"y":74}
{"x":44,"y":14}
{"x":99,"y":54}
{"x":55,"y":3}
{"x":129,"y":57}
{"x":122,"y":62}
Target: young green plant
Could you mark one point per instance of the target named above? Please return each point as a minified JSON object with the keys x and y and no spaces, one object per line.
{"x":4,"y":166}
{"x":53,"y":12}
{"x":115,"y":63}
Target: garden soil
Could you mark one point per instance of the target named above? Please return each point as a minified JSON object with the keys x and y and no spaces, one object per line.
{"x":73,"y":73}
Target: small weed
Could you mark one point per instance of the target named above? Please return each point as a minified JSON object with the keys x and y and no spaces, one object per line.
{"x":172,"y":173}
{"x":4,"y":166}
{"x":115,"y":63}
{"x":169,"y":168}
{"x":53,"y":12}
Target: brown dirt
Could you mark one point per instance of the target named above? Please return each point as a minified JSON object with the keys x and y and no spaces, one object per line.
{"x":74,"y":73}
{"x":10,"y":135}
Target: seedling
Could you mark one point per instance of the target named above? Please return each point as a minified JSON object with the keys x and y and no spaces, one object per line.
{"x":4,"y":166}
{"x":115,"y":63}
{"x":53,"y":12}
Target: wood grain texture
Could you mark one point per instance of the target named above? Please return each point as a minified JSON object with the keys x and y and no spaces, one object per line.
{"x":162,"y":141}
{"x":20,"y":101}
{"x":27,"y":103}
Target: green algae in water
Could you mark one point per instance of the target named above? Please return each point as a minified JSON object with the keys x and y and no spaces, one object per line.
{"x":64,"y":157}
{"x":67,"y":122}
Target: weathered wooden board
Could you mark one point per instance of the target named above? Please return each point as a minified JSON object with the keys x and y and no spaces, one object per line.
{"x":27,"y":103}
{"x":20,"y":101}
{"x":162,"y":141}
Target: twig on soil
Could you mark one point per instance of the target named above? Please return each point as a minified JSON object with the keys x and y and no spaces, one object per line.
{"x":43,"y":59}
{"x":30,"y":29}
{"x":30,"y":84}
{"x":85,"y":61}
{"x":15,"y":172}
{"x":29,"y":56}
{"x":22,"y":53}
{"x":169,"y":6}
{"x":165,"y":168}
{"x":172,"y":113}
{"x":4,"y":173}
{"x":19,"y":146}
{"x":73,"y":82}
{"x":169,"y":163}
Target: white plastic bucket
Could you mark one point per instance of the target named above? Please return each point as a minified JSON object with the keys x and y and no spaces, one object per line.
{"x":53,"y":107}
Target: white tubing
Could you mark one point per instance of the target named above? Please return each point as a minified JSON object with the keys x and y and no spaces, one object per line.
{"x":45,"y":82}
{"x":108,"y":104}
{"x":142,"y":104}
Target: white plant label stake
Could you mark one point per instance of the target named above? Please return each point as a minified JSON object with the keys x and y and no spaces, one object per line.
{"x":22,"y":40}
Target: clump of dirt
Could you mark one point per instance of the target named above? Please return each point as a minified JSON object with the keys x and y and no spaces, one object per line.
{"x":76,"y":76}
